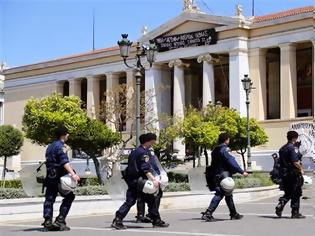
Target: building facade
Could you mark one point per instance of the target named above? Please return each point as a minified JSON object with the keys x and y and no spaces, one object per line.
{"x":202,"y":58}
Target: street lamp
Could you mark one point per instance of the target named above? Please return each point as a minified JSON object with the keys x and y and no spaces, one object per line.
{"x":247,"y":85}
{"x":145,"y":50}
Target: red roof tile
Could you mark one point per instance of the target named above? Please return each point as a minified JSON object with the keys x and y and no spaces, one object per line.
{"x":282,"y":14}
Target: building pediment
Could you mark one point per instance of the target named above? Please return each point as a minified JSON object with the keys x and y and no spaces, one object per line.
{"x":189,"y":22}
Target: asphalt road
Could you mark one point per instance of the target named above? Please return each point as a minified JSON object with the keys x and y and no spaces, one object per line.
{"x":259,"y":220}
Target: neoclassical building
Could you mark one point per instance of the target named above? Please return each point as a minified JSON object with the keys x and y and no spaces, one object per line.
{"x":201,"y":58}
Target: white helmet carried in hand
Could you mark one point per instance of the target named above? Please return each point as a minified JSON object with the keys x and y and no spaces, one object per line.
{"x":307,"y":180}
{"x":147,"y":186}
{"x":67,"y":183}
{"x":227,"y":185}
{"x":163,"y":181}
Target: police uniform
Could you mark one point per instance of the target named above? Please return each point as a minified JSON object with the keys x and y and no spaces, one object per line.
{"x":223,"y":162}
{"x":138,"y":166}
{"x":141,"y":198}
{"x":56,"y":158}
{"x":292,"y":181}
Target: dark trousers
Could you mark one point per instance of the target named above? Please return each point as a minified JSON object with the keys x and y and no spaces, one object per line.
{"x":131,"y":198}
{"x":50,"y":197}
{"x":219,"y":195}
{"x":141,"y":202}
{"x":292,"y":187}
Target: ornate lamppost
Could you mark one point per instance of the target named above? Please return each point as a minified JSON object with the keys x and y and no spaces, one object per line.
{"x":143,"y":50}
{"x":247,"y":85}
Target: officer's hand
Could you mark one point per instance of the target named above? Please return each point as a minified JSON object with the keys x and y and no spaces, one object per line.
{"x":156,"y":183}
{"x":75,"y":177}
{"x":245,"y":174}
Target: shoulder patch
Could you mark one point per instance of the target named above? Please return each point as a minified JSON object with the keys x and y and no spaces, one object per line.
{"x":296,"y":150}
{"x":146,"y":158}
{"x":64,"y":149}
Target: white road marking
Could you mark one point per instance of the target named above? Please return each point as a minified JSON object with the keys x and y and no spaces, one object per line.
{"x":129,"y":230}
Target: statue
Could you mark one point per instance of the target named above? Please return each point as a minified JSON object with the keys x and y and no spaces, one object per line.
{"x":188,"y":5}
{"x":239,"y":10}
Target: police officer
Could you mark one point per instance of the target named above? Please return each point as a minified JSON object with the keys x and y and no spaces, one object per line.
{"x":291,"y":174}
{"x":57,"y":164}
{"x":223,"y":163}
{"x":141,"y":217}
{"x":139,"y":167}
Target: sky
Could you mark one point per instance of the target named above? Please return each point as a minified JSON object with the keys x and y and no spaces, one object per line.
{"x":37,"y":30}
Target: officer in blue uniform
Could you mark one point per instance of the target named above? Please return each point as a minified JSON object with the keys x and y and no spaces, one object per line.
{"x":141,"y":217}
{"x":223,"y":164}
{"x":139,"y":167}
{"x":57,"y":164}
{"x":291,"y":174}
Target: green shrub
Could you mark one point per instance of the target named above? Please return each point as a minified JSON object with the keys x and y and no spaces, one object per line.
{"x":11,"y":193}
{"x":177,"y":177}
{"x":177,"y":187}
{"x":253,"y":180}
{"x":91,"y":190}
{"x":91,"y":181}
{"x":11,"y":183}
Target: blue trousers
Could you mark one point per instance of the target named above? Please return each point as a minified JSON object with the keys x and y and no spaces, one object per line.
{"x":131,"y":199}
{"x":219,"y":195}
{"x":50,"y":197}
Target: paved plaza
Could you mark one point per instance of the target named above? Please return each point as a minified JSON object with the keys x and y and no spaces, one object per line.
{"x":259,"y":220}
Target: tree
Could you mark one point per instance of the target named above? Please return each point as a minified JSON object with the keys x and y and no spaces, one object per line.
{"x":11,"y":141}
{"x":197,"y":132}
{"x":229,"y":120}
{"x":239,"y":141}
{"x":93,"y":139}
{"x":43,"y":115}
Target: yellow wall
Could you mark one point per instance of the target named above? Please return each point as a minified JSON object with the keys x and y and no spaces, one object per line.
{"x":14,"y":110}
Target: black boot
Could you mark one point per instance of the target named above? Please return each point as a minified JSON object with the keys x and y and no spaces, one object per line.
{"x":279,"y":208}
{"x":118,"y":224}
{"x":297,"y":215}
{"x":61,"y":223}
{"x":160,"y":224}
{"x":143,"y":219}
{"x":236,"y":216}
{"x":49,"y":226}
{"x":207,"y":216}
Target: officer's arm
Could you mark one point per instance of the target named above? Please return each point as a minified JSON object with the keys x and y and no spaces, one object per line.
{"x":294,"y":157}
{"x":146,"y":168}
{"x":232,"y":162}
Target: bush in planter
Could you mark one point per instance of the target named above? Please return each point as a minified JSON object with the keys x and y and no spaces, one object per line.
{"x":177,"y":187}
{"x":177,"y":177}
{"x":11,"y":183}
{"x":11,"y":193}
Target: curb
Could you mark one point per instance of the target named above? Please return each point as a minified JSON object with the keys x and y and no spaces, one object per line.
{"x":13,"y":210}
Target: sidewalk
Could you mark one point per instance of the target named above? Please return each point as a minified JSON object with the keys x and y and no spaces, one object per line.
{"x":31,"y":208}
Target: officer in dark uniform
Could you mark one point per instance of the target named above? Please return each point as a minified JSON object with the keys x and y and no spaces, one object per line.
{"x":223,"y":164}
{"x":57,"y":164}
{"x":141,"y":217}
{"x":291,"y":174}
{"x":139,"y":167}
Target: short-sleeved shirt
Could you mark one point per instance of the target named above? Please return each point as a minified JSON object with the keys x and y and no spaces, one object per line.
{"x":56,"y":158}
{"x":223,"y":161}
{"x":288,"y":155}
{"x":138,"y":163}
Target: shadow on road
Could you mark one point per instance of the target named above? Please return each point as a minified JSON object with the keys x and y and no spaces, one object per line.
{"x":199,"y":219}
{"x":39,"y":229}
{"x":275,"y":217}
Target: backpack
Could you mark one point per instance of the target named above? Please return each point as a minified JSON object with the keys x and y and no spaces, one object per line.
{"x":275,"y":175}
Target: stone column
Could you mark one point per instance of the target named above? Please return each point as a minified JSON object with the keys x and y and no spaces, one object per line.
{"x":59,"y":87}
{"x":131,"y":84}
{"x":208,"y":86}
{"x":238,"y":68}
{"x":179,"y":99}
{"x":288,"y":90}
{"x":112,"y":84}
{"x":75,"y":87}
{"x":258,"y":75}
{"x":93,"y":96}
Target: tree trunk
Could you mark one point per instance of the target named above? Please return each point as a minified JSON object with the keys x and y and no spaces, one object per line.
{"x":97,"y":168}
{"x":206,"y":156}
{"x":4,"y":168}
{"x":243,"y":159}
{"x":199,"y":156}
